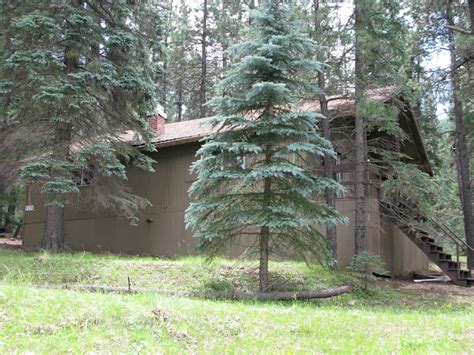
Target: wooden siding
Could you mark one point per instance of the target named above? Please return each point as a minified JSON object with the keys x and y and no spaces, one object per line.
{"x":161,"y":230}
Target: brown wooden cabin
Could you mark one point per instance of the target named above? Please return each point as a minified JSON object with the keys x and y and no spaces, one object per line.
{"x":161,"y":230}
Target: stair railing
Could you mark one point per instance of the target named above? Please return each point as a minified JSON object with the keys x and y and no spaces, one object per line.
{"x":454,"y":237}
{"x":448,"y":231}
{"x":411,"y":217}
{"x":406,"y":216}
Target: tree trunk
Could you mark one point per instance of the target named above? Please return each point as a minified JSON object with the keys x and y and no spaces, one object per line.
{"x":53,"y":236}
{"x":9,"y":222}
{"x":330,"y":196}
{"x":202,"y":93}
{"x":461,"y":146}
{"x":251,"y":5}
{"x":331,"y":232}
{"x":17,"y":230}
{"x":224,"y":58}
{"x":471,"y":15}
{"x":165,"y":79}
{"x":265,"y":236}
{"x":360,"y":135}
{"x":263,"y":269}
{"x":164,"y":76}
{"x":224,"y":42}
{"x":179,"y":108}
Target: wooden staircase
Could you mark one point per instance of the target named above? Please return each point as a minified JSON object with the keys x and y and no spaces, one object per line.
{"x":414,"y":226}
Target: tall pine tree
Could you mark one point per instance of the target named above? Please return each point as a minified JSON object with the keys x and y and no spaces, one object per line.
{"x":75,"y":75}
{"x":254,"y":175}
{"x":380,"y":60}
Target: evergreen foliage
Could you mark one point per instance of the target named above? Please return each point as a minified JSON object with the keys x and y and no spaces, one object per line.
{"x":365,"y":264}
{"x":107,"y":91}
{"x":406,"y":182}
{"x":182,"y":68}
{"x":254,"y":172}
{"x":74,"y":76}
{"x":181,"y":80}
{"x":384,"y":41}
{"x":10,"y":215}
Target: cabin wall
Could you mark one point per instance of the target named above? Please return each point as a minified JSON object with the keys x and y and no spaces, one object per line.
{"x":407,"y":256}
{"x":161,"y":230}
{"x":398,"y":252}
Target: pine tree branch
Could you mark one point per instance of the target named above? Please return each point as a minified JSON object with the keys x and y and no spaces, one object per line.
{"x":460,"y":30}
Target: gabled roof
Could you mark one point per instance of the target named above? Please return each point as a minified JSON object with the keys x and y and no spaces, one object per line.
{"x":194,"y":130}
{"x":339,"y":106}
{"x":185,"y":132}
{"x":176,"y":133}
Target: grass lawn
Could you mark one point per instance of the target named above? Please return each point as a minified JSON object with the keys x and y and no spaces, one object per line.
{"x":395,"y":317}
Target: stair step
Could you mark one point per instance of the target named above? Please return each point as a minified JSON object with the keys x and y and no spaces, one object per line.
{"x":452,"y":265}
{"x":460,"y":274}
{"x":426,"y":239}
{"x":453,"y":268}
{"x":423,"y":240}
{"x":434,"y":247}
{"x":444,"y":256}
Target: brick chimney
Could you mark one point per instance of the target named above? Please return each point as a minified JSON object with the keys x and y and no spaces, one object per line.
{"x":157,"y":121}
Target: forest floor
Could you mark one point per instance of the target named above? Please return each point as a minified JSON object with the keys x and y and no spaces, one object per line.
{"x":393,"y":317}
{"x":7,"y":242}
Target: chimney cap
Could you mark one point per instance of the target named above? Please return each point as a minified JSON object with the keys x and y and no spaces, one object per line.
{"x":159,"y":110}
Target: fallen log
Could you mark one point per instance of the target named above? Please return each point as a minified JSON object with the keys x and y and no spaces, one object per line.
{"x":279,"y":296}
{"x":234,"y":295}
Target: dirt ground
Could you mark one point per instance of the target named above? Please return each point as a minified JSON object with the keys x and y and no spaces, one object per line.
{"x":440,"y":288}
{"x":10,"y":243}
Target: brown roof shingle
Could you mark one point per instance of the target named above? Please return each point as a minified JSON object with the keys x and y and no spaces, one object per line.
{"x":184,"y":132}
{"x":194,"y":130}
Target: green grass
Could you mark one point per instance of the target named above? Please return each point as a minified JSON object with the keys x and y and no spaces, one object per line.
{"x":387,"y":320}
{"x":194,"y":273}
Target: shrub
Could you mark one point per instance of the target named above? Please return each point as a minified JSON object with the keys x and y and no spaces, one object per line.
{"x":365,"y":264}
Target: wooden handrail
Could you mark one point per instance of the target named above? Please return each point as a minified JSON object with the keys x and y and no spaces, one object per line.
{"x":453,"y":236}
{"x":445,"y":230}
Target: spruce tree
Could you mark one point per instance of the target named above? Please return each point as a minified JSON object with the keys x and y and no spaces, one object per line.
{"x":379,"y":60}
{"x":446,"y":28}
{"x":462,"y":133}
{"x":254,"y":172}
{"x":321,"y":34}
{"x":74,"y":76}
